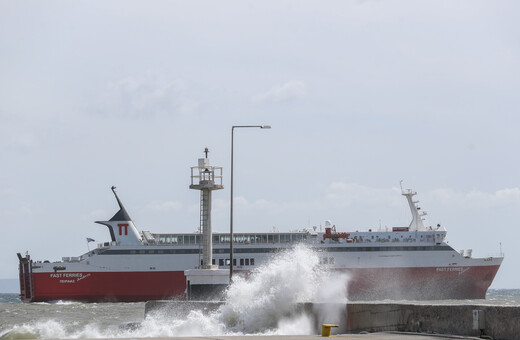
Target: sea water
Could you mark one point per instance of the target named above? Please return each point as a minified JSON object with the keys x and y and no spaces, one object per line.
{"x":265,"y":303}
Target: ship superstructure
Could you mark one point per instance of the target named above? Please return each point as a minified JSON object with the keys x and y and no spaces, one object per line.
{"x":413,"y":262}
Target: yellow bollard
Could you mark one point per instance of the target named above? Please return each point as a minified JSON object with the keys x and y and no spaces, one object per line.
{"x":325,"y":329}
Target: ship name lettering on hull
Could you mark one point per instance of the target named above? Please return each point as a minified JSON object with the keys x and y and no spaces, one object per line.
{"x":460,"y":270}
{"x":69,"y":277}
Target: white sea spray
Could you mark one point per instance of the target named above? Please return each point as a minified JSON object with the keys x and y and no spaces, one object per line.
{"x":268,"y":301}
{"x":103,"y":320}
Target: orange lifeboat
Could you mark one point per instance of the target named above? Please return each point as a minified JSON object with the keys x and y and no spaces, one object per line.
{"x":330,"y":232}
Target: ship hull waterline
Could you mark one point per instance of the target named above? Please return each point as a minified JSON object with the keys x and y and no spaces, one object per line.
{"x":362,"y":284}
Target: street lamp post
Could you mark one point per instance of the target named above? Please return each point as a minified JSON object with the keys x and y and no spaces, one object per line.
{"x":231,"y":201}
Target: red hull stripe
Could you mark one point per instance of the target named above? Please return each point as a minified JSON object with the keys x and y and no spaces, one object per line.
{"x":115,"y":286}
{"x":401,"y":283}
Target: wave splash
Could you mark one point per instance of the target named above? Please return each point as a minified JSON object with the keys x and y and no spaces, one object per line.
{"x":267,"y":302}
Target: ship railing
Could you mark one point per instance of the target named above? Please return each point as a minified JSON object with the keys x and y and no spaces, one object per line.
{"x":107,"y":244}
{"x":71,"y":259}
{"x":271,"y":238}
{"x":494,"y":255}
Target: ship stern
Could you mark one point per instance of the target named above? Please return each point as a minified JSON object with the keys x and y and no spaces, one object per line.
{"x":26,"y":278}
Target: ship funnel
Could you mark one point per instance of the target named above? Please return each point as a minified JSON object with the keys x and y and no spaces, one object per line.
{"x":122,"y":229}
{"x":121,"y":215}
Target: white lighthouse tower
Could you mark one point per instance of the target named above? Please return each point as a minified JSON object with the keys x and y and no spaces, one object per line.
{"x":206,"y":178}
{"x":206,"y":281}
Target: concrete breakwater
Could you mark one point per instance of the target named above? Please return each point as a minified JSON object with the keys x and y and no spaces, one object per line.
{"x":498,"y":322}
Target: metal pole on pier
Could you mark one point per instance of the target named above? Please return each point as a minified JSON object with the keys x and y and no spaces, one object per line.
{"x":231,"y":199}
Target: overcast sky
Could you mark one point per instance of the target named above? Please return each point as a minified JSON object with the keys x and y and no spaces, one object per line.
{"x":360,"y":95}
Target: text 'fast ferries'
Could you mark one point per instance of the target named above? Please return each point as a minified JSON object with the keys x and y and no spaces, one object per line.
{"x":69,"y":277}
{"x":461,"y":270}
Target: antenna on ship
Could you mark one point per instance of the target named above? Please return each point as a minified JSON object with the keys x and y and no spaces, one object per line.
{"x":206,"y":178}
{"x":417,"y":217}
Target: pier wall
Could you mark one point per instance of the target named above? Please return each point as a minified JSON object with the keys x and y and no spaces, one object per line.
{"x":499,"y":322}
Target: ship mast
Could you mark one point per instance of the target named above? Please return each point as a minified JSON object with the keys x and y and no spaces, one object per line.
{"x":417,"y":216}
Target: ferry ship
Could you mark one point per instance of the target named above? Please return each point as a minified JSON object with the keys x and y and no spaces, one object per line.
{"x":413,"y":262}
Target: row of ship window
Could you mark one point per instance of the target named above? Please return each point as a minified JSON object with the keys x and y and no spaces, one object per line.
{"x":237,"y":238}
{"x":265,"y":238}
{"x":226,"y":262}
{"x":326,"y":260}
{"x":273,"y":250}
{"x":251,"y":262}
{"x":189,"y":251}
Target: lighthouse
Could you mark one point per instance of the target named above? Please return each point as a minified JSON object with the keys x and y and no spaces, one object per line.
{"x":206,"y":178}
{"x":206,"y":281}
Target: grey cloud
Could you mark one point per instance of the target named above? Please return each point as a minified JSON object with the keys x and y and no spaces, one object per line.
{"x":291,"y":90}
{"x":147,"y":97}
